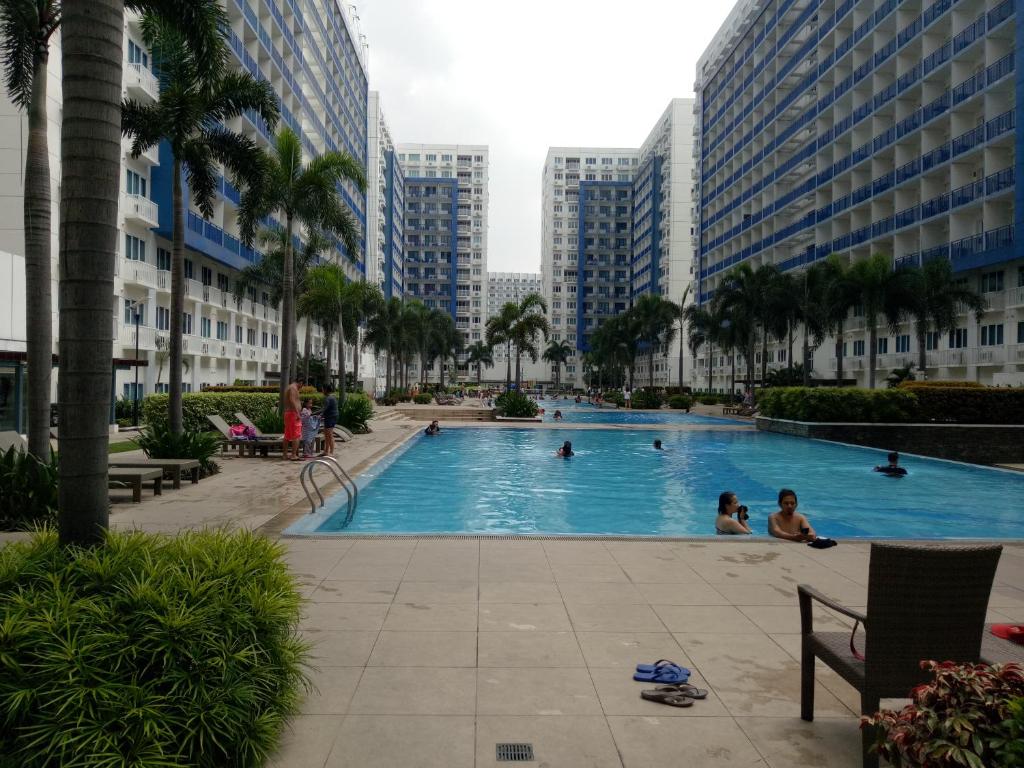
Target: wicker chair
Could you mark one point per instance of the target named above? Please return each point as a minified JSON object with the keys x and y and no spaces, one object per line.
{"x":924,"y":602}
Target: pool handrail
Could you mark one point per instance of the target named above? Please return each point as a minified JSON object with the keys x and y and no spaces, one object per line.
{"x":339,"y":474}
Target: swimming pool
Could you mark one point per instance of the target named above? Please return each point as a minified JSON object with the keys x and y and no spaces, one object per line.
{"x":493,"y":481}
{"x":589,"y":414}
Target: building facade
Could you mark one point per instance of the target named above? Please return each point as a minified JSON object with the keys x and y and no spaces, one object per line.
{"x":312,"y":51}
{"x":502,"y":288}
{"x":864,"y":127}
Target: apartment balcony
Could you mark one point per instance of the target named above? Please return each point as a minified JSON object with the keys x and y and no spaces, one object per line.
{"x":139,"y":210}
{"x":1015,"y":297}
{"x":126,"y":337}
{"x":138,"y":272}
{"x":1015,"y":353}
{"x":957,"y":358}
{"x":948,"y":358}
{"x":849,"y":364}
{"x":995,"y":302}
{"x":894,"y":360}
{"x":989,"y":355}
{"x":140,"y":83}
{"x":151,"y":155}
{"x":194,"y":290}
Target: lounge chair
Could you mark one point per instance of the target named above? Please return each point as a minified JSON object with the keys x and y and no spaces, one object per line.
{"x":118,"y":477}
{"x":176,"y":467}
{"x":924,"y":602}
{"x":246,"y":421}
{"x":10,"y":440}
{"x":243,"y":446}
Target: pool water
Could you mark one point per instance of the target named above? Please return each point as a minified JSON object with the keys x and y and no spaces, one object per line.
{"x":589,"y":414}
{"x":492,"y":481}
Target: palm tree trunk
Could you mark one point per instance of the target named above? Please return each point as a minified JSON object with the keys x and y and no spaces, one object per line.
{"x":177,"y":300}
{"x":839,"y":354}
{"x":789,"y":353}
{"x":922,"y":358}
{"x":38,"y":312}
{"x":764,"y":357}
{"x":92,"y":35}
{"x":807,"y":355}
{"x":330,"y":343}
{"x":479,"y":373}
{"x":711,"y":366}
{"x":307,"y":346}
{"x":387,"y":374}
{"x":287,"y":313}
{"x":732,"y":383}
{"x":441,"y":379}
{"x":355,"y":362}
{"x":341,"y":368}
{"x":519,"y":377}
{"x":682,"y":351}
{"x":872,"y":355}
{"x":508,"y":365}
{"x":650,"y":365}
{"x":750,"y":365}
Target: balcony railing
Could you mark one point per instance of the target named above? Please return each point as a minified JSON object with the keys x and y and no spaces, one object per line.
{"x":126,"y":337}
{"x":139,"y":81}
{"x":140,"y":209}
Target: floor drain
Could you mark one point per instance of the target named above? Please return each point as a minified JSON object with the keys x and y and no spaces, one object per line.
{"x":514,"y":753}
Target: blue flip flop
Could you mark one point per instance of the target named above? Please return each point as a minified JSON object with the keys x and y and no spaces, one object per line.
{"x":666,"y":673}
{"x":658,"y":665}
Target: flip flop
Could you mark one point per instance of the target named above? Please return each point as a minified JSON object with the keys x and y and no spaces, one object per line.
{"x":667,"y":674}
{"x":658,"y":665}
{"x":683,"y":689}
{"x":663,"y":697}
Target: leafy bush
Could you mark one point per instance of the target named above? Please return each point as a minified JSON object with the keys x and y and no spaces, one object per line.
{"x":646,"y":398}
{"x":970,"y":405}
{"x":833,"y":404}
{"x":399,"y":395}
{"x":272,"y":388}
{"x":708,"y":399}
{"x":157,"y":441}
{"x":196,"y":406}
{"x":971,"y":715}
{"x":516,"y":405}
{"x":614,"y":396}
{"x":680,"y":402}
{"x":913,"y":385}
{"x":423,"y":398}
{"x":148,"y":650}
{"x":270,"y":423}
{"x":28,"y":492}
{"x":355,"y":412}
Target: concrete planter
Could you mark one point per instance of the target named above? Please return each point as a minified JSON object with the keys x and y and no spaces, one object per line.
{"x":973,"y":443}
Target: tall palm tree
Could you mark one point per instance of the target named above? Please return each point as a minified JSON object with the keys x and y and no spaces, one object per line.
{"x":936,"y":299}
{"x":784,"y":311}
{"x":25,"y":32}
{"x":366,"y":299}
{"x":558,"y":353}
{"x":479,"y":354}
{"x":654,"y":317}
{"x":703,"y":324}
{"x":885,"y":295}
{"x":817,"y":313}
{"x":499,"y":331}
{"x":742,"y":298}
{"x":92,"y":35}
{"x":331,"y":296}
{"x":383,"y":332}
{"x":679,"y":316}
{"x":447,"y":339}
{"x":306,"y":194}
{"x":194,"y":104}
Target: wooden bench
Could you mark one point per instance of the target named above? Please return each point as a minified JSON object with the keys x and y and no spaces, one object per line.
{"x":134,"y":478}
{"x":175,"y":466}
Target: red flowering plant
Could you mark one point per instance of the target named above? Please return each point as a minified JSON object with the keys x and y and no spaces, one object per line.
{"x":970,"y":716}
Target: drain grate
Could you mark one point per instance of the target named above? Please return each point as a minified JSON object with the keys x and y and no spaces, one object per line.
{"x":514,"y":753}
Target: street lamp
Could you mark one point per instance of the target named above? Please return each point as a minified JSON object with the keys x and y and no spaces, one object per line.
{"x":134,"y":307}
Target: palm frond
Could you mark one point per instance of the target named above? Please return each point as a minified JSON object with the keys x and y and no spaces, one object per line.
{"x":202,"y":23}
{"x":143,"y":123}
{"x":25,"y":39}
{"x":239,"y":154}
{"x":197,"y":162}
{"x":235,"y":92}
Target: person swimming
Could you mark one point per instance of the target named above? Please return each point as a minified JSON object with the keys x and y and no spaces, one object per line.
{"x":657,"y":445}
{"x":893,"y":468}
{"x":558,"y":416}
{"x":434,"y":428}
{"x":565,"y":451}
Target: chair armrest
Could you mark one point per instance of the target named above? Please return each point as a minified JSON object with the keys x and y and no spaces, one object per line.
{"x":805,"y":594}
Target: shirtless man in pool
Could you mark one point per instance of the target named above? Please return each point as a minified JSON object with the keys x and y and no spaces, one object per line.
{"x":787,"y":523}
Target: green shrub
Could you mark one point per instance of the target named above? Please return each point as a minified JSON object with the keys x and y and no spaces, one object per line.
{"x":196,"y":406}
{"x":970,"y":405}
{"x":399,"y":395}
{"x":28,"y":493}
{"x":835,"y":404}
{"x":912,"y":385}
{"x":680,"y":402}
{"x":707,"y":399}
{"x":157,"y":441}
{"x":646,"y":398}
{"x":614,"y":396}
{"x":516,"y":405}
{"x":148,"y":650}
{"x":355,"y":411}
{"x":423,"y":398}
{"x":270,"y":422}
{"x":271,"y":388}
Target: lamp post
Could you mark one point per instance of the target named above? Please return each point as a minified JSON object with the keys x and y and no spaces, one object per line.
{"x":134,"y":306}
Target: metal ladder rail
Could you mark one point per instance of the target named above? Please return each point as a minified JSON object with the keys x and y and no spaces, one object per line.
{"x":307,"y":472}
{"x":355,"y":488}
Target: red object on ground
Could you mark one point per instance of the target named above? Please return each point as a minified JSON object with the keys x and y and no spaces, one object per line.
{"x":1011,"y":632}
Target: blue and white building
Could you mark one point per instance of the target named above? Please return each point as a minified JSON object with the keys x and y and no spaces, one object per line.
{"x":869,"y":126}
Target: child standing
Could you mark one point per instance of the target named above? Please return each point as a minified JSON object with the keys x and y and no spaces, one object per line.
{"x":309,"y":428}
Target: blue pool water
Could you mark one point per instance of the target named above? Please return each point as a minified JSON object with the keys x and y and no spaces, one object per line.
{"x":589,"y":414}
{"x":509,"y":481}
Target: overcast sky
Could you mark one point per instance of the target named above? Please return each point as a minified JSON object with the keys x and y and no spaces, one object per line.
{"x":522,"y":77}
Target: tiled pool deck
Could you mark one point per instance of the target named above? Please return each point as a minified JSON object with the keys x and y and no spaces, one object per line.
{"x":431,"y":651}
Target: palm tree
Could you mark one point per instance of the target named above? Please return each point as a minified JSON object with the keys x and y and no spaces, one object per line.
{"x":92,"y":34}
{"x":936,"y":300}
{"x":742,"y":298}
{"x":479,"y":354}
{"x":26,"y":29}
{"x":679,"y":316}
{"x":307,"y":194}
{"x":558,"y":353}
{"x":366,"y":299}
{"x":447,"y":339}
{"x":194,"y":104}
{"x":703,"y":324}
{"x":884,"y":293}
{"x":383,"y":332}
{"x":330,"y":296}
{"x":784,"y":311}
{"x":499,"y":331}
{"x":653,"y":317}
{"x":530,"y":323}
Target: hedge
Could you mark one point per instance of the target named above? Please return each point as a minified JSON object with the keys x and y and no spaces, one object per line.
{"x":911,"y":384}
{"x":195,"y":407}
{"x":920,"y":404}
{"x":646,"y":399}
{"x":244,"y":388}
{"x":680,"y":402}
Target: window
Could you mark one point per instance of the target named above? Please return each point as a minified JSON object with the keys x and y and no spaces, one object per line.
{"x":273,"y":341}
{"x":264,"y":340}
{"x":858,"y":348}
{"x":1020,"y":332}
{"x":137,"y":54}
{"x":250,"y":336}
{"x":958,"y":338}
{"x":222,"y":330}
{"x":207,"y":274}
{"x":1020,"y":277}
{"x":883,"y":345}
{"x":992,"y":335}
{"x":186,"y":323}
{"x":188,"y":269}
{"x":431,"y":158}
{"x":134,"y":248}
{"x":163,"y":259}
{"x":238,"y":334}
{"x":163,"y":319}
{"x":134,"y":183}
{"x":931,"y":340}
{"x":130,"y":308}
{"x":222,"y":282}
{"x":133,"y":390}
{"x":992,"y":282}
{"x":446,"y":158}
{"x":903,"y":343}
{"x":204,"y":327}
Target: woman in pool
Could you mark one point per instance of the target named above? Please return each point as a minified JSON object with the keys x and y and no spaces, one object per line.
{"x":565,"y":451}
{"x":558,"y":415}
{"x":729,"y":505}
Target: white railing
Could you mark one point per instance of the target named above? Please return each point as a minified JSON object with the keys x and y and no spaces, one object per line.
{"x":1015,"y":353}
{"x":126,"y":337}
{"x":139,"y":272}
{"x":894,"y":360}
{"x":194,"y":289}
{"x":163,"y":279}
{"x":1015,"y":297}
{"x":948,"y":358}
{"x":994,"y":302}
{"x":138,"y":79}
{"x":990,"y":355}
{"x":141,"y":209}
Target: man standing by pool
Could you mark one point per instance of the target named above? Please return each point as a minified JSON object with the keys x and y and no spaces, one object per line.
{"x":292,"y":422}
{"x":786,"y":523}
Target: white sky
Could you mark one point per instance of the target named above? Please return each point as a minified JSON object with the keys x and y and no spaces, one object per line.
{"x":522,"y":77}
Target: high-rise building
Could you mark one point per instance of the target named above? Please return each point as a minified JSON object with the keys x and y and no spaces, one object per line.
{"x":866,"y":127}
{"x":502,"y":288}
{"x":446,"y":231}
{"x":385,"y":206}
{"x":313,"y":53}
